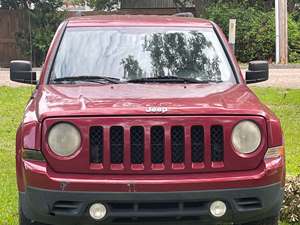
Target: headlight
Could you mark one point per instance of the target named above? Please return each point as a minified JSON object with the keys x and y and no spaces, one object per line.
{"x":64,"y":139}
{"x":246,"y":137}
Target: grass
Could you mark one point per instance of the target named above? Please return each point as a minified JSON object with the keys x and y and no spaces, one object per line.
{"x":285,"y":103}
{"x":12,"y":102}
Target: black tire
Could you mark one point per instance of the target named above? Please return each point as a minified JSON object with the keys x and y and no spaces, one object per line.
{"x":269,"y":221}
{"x":25,"y":221}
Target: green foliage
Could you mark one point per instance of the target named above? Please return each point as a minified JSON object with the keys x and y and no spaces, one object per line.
{"x":291,"y":206}
{"x":14,"y":4}
{"x":255,"y":30}
{"x":44,"y":20}
{"x":107,"y":5}
{"x":294,"y":38}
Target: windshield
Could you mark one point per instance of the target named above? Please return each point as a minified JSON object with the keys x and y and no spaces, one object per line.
{"x":132,"y":53}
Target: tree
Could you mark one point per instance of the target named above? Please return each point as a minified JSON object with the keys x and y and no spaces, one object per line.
{"x":44,"y":20}
{"x":265,"y":5}
{"x":181,"y":4}
{"x":15,"y":4}
{"x":182,"y":55}
{"x":107,"y":5}
{"x":201,"y":6}
{"x":132,"y":70}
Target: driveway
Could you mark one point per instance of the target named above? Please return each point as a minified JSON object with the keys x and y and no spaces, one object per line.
{"x":5,"y":81}
{"x":281,"y":78}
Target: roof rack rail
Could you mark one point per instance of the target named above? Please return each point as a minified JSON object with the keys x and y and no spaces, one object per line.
{"x":184,"y":14}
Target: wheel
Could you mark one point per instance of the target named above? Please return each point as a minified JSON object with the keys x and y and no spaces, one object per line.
{"x":25,"y":221}
{"x":269,"y":221}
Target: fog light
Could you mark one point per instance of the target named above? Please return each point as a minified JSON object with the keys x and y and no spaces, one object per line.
{"x":98,"y":211}
{"x":218,"y":209}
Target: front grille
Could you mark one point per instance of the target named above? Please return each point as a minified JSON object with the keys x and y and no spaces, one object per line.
{"x":249,"y":203}
{"x":137,"y":145}
{"x":96,"y":144}
{"x":157,"y":211}
{"x":66,"y":208}
{"x":116,"y":144}
{"x":178,"y":145}
{"x":155,"y":145}
{"x":197,"y":137}
{"x":217,"y":143}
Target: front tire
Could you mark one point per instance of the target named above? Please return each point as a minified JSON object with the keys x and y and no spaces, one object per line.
{"x":269,"y":221}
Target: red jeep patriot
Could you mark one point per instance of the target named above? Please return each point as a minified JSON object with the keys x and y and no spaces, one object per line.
{"x":139,"y":119}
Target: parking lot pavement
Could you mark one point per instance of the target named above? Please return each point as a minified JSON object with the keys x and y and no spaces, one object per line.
{"x":281,"y":78}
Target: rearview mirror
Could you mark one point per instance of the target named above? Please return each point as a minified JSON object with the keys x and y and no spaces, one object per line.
{"x":21,"y":71}
{"x":258,"y":72}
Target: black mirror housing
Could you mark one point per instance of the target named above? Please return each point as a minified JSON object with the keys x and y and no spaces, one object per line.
{"x":21,"y":71}
{"x":258,"y":72}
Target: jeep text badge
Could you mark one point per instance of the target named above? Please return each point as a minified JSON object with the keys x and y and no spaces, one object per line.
{"x":156,"y":109}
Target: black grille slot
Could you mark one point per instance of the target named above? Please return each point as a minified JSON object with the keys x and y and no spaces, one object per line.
{"x":137,"y":145}
{"x":116,"y":144}
{"x":249,"y":203}
{"x":152,"y":206}
{"x":157,"y":144}
{"x":197,"y":139}
{"x":177,"y":140}
{"x":66,"y":208}
{"x":157,"y":211}
{"x":217,"y":143}
{"x":96,"y":144}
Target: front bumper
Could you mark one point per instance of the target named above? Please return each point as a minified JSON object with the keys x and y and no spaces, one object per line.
{"x":40,"y":175}
{"x":69,"y":208}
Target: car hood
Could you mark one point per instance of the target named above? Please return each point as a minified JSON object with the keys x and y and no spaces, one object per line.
{"x":134,"y":99}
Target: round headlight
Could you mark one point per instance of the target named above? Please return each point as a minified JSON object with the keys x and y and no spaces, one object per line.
{"x":64,"y":139}
{"x":246,"y":137}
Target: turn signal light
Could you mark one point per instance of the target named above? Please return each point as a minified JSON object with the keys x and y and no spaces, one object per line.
{"x":275,"y":152}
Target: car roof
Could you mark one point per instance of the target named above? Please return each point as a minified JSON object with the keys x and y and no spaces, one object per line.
{"x":137,"y":21}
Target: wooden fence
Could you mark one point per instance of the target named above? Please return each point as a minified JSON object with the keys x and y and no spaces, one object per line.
{"x":11,"y":23}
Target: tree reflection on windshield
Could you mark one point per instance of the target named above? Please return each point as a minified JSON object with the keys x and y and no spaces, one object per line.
{"x":176,"y":54}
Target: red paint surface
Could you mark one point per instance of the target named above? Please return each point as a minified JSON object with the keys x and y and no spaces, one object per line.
{"x":125,"y":104}
{"x":41,"y":176}
{"x":128,"y":20}
{"x":79,"y":162}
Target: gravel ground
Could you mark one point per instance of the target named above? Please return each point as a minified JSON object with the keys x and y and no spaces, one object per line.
{"x":282,"y":78}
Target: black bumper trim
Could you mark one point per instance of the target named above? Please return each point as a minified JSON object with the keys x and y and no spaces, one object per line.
{"x":61,"y":207}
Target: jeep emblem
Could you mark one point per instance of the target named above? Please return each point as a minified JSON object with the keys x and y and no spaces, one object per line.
{"x":156,"y":109}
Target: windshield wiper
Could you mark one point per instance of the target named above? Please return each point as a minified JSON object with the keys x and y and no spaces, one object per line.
{"x":168,"y":79}
{"x":93,"y":79}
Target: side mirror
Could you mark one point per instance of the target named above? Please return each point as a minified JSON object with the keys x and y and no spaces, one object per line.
{"x":21,"y":71}
{"x":258,"y":72}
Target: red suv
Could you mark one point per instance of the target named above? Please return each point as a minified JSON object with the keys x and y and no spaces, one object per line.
{"x":146,"y":119}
